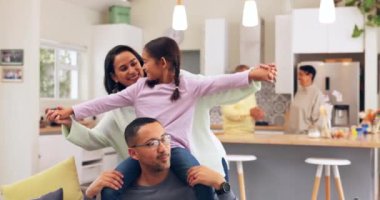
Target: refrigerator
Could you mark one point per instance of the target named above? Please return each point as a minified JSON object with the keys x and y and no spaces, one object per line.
{"x":339,"y":79}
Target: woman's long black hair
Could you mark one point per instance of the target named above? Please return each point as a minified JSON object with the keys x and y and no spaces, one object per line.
{"x":110,"y":85}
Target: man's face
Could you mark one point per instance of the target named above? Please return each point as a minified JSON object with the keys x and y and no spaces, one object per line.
{"x":304,"y":78}
{"x":151,"y":156}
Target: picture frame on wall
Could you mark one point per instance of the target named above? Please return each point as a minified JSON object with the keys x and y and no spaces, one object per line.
{"x":11,"y":57}
{"x":12,"y":74}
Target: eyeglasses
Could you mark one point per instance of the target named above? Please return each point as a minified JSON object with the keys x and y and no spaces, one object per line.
{"x":154,"y":143}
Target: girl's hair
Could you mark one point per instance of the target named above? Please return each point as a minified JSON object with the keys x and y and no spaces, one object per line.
{"x":110,"y":85}
{"x":164,"y":47}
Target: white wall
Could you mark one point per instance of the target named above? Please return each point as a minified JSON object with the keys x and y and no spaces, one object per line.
{"x":154,"y":17}
{"x":70,"y":24}
{"x":19,"y":28}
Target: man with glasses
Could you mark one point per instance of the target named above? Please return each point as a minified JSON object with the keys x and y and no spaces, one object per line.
{"x":150,"y":146}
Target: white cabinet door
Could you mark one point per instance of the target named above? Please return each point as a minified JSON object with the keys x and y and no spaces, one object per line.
{"x":105,"y":37}
{"x":283,"y":54}
{"x":339,"y":33}
{"x":216,"y":46}
{"x":54,"y":149}
{"x":309,"y":36}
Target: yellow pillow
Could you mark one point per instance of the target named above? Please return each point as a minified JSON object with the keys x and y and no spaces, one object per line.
{"x":62,"y":175}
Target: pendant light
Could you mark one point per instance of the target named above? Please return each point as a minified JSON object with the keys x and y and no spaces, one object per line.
{"x":327,"y":11}
{"x":179,"y":17}
{"x":250,"y":16}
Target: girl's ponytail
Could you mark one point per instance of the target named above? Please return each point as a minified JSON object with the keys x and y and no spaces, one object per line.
{"x":176,"y":93}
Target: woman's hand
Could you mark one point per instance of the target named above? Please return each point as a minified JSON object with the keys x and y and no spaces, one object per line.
{"x":112,"y":179}
{"x":257,"y":113}
{"x":265,"y":72}
{"x":52,"y":116}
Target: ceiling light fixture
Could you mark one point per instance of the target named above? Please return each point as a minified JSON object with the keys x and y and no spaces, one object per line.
{"x":327,"y":11}
{"x":179,"y":17}
{"x":250,"y":16}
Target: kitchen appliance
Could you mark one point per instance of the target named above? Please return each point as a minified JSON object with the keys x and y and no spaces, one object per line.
{"x":341,"y":115}
{"x":342,"y":78}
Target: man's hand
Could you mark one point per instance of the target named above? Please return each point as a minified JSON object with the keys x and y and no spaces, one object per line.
{"x":112,"y":179}
{"x":257,"y":113}
{"x":204,"y":175}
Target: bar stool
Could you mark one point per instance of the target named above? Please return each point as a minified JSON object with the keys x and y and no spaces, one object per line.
{"x":327,"y":162}
{"x":239,"y":159}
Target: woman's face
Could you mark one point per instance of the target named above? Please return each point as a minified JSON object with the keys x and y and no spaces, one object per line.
{"x":152,"y":67}
{"x":127,"y":69}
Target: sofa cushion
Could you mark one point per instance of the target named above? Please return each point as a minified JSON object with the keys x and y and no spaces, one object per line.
{"x":62,"y":175}
{"x":55,"y":195}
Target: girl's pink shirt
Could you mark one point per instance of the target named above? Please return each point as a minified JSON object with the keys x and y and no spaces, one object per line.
{"x":175,"y":116}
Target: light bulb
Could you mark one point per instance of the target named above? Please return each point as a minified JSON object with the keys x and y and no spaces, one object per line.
{"x":327,"y":11}
{"x":250,"y":16}
{"x":179,"y":18}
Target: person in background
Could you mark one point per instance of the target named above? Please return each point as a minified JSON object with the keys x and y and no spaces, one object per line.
{"x":303,"y":114}
{"x":150,"y":145}
{"x":241,"y":116}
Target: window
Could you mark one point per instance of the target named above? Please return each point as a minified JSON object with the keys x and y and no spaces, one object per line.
{"x":59,"y":72}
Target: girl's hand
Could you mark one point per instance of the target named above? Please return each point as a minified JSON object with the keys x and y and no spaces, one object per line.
{"x":52,"y":116}
{"x":263,"y":73}
{"x":204,"y":175}
{"x":112,"y":179}
{"x":59,"y":114}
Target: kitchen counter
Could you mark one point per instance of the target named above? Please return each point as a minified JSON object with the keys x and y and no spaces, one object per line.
{"x":49,"y":130}
{"x":281,"y":167}
{"x":372,"y":141}
{"x":257,"y":128}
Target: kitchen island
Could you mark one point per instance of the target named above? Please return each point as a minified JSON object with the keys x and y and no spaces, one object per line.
{"x":281,"y":173}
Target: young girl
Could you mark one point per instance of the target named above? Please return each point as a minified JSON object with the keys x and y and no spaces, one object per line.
{"x":170,"y":98}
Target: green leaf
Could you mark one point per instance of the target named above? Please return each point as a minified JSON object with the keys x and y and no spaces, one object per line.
{"x":368,"y":4}
{"x":376,"y":20}
{"x":351,"y":2}
{"x":357,"y":32}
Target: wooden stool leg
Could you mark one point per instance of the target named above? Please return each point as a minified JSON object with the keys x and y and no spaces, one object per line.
{"x":240,"y":172}
{"x":338,"y":182}
{"x":327,"y":182}
{"x":317,"y":181}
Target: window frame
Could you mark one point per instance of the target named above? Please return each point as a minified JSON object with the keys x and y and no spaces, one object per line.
{"x":47,"y":44}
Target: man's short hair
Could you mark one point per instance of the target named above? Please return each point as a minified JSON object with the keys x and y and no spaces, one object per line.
{"x":133,"y":128}
{"x":309,"y":70}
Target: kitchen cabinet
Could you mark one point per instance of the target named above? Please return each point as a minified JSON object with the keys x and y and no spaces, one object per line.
{"x":283,"y":54}
{"x":310,"y":36}
{"x":252,"y":44}
{"x":216,"y":47}
{"x":105,"y":37}
{"x":53,"y":148}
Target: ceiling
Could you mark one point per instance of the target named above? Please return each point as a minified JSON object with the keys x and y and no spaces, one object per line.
{"x":99,"y":5}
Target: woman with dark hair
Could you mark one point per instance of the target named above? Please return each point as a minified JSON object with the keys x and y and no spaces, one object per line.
{"x":122,"y":67}
{"x":170,"y":98}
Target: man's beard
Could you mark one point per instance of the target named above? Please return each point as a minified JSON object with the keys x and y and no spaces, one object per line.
{"x":160,"y":167}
